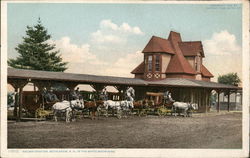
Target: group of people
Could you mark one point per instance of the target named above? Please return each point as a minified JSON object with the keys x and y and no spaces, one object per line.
{"x":75,"y":94}
{"x":49,"y":95}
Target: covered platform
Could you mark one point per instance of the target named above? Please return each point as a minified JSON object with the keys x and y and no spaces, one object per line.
{"x":188,"y":90}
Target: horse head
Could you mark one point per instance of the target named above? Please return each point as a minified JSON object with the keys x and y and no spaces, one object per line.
{"x":78,"y":103}
{"x":193,"y":106}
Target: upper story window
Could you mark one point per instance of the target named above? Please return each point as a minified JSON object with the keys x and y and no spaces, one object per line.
{"x":150,"y":58}
{"x":197,"y":63}
{"x":157,"y":63}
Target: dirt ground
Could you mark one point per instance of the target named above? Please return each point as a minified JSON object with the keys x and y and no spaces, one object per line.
{"x":201,"y":131}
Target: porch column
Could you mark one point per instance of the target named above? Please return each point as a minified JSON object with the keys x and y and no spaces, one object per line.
{"x":18,"y":85}
{"x":16,"y":102}
{"x":121,"y":90}
{"x":218,"y":104}
{"x":98,"y":88}
{"x":205,"y":99}
{"x":236,"y":98}
{"x":228,"y":101}
{"x":241,"y":98}
{"x":20,"y":103}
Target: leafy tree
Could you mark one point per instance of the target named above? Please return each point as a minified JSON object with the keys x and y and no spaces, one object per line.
{"x":230,"y":78}
{"x":36,"y":53}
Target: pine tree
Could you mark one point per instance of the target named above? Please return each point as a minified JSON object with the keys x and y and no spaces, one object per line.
{"x":36,"y":53}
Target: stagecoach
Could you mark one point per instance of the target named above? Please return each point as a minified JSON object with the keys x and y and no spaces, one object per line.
{"x":154,"y":103}
{"x":35,"y":105}
{"x":157,"y":104}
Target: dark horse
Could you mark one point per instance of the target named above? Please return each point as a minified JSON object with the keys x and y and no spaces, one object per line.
{"x":92,"y":107}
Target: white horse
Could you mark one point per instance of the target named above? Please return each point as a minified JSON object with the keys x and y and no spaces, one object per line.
{"x":186,"y":108}
{"x":67,"y":108}
{"x":126,"y":106}
{"x":114,"y":106}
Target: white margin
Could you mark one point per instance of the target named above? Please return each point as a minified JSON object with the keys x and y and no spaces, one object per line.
{"x":3,"y":93}
{"x":246,"y":77}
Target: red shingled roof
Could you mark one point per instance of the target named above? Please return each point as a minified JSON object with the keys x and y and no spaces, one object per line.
{"x":139,"y":69}
{"x":178,"y":63}
{"x":157,"y":44}
{"x":205,"y":72}
{"x":191,"y":48}
{"x":174,"y":45}
{"x":174,"y":37}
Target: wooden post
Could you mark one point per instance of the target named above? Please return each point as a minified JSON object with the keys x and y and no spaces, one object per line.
{"x":228,"y":101}
{"x":241,"y":98}
{"x":98,"y":88}
{"x":121,"y":90}
{"x":192,"y":95}
{"x":218,"y":104}
{"x":205,"y":99}
{"x":223,"y":98}
{"x":16,"y":102}
{"x":18,"y":84}
{"x":208,"y":98}
{"x":235,"y":98}
{"x":20,"y":104}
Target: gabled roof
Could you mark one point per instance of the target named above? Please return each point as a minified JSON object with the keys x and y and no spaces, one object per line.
{"x":139,"y":69}
{"x":178,"y":63}
{"x":191,"y":48}
{"x":205,"y":72}
{"x":157,"y":44}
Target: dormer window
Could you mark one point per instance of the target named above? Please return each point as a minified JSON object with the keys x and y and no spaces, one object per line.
{"x":157,"y":63}
{"x":150,"y":58}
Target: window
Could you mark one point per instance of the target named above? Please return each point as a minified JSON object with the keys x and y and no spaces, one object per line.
{"x":197,"y":63}
{"x":157,"y":63}
{"x":196,"y":66}
{"x":150,"y":63}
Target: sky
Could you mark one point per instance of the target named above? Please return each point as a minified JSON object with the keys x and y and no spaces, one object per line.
{"x":107,"y":39}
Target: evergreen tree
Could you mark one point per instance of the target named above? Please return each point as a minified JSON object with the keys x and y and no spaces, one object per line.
{"x":36,"y":53}
{"x":230,"y":78}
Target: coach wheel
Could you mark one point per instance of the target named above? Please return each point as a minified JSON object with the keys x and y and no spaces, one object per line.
{"x":160,"y":112}
{"x":119,"y":114}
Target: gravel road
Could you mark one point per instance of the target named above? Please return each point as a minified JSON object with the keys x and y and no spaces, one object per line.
{"x":201,"y":131}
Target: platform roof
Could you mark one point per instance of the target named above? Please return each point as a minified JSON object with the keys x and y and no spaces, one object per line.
{"x":110,"y":80}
